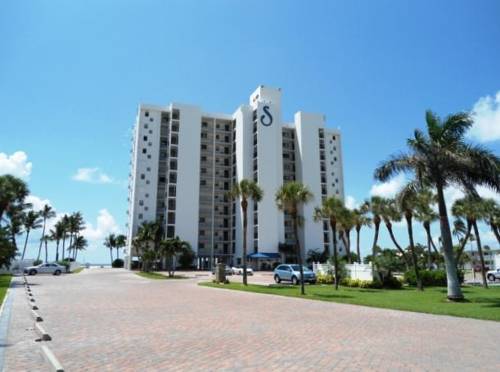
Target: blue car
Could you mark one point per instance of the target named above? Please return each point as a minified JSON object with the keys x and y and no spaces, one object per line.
{"x":291,"y":273}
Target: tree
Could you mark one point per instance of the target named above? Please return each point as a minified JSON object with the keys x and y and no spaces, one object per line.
{"x":289,"y":198}
{"x":169,"y":249}
{"x":31,"y":222}
{"x":332,"y":209}
{"x":426,"y":215}
{"x":121,"y":241}
{"x":45,"y":240}
{"x":472,"y":209}
{"x":46,"y":213}
{"x":246,"y":190}
{"x":75,"y":225}
{"x":65,"y":229}
{"x":375,"y":206}
{"x":79,"y":244}
{"x":13,"y":191}
{"x":407,"y":201}
{"x":347,"y":223}
{"x":492,"y":216}
{"x":56,"y":234}
{"x":7,"y":248}
{"x":440,"y":158}
{"x":146,"y":243}
{"x":110,"y":243}
{"x":360,"y":219}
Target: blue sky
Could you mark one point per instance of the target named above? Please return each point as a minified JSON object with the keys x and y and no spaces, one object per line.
{"x":73,"y":72}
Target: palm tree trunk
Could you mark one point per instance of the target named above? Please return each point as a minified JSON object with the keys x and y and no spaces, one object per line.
{"x":454,"y":290}
{"x":357,"y":245}
{"x":299,"y":252}
{"x":494,"y":228}
{"x":481,"y":256}
{"x":57,"y":250}
{"x":117,"y":252}
{"x":244,"y":206}
{"x":375,"y":239}
{"x":348,"y":247}
{"x":25,"y":244}
{"x":46,"y":253}
{"x":63,"y":245}
{"x":41,"y":239}
{"x":333,"y":225}
{"x":111,"y":255}
{"x":429,"y":244}
{"x":39,"y":253}
{"x":398,"y":247}
{"x":413,"y":254}
{"x":464,"y":242}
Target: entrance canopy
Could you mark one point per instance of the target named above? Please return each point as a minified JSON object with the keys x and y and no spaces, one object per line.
{"x":264,"y":255}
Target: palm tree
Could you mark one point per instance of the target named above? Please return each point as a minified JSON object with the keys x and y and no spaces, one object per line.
{"x":13,"y":191}
{"x":375,"y":206}
{"x":332,"y":209}
{"x":289,"y":198}
{"x":15,"y":214}
{"x":110,"y":243}
{"x":46,"y":213}
{"x":65,"y":226}
{"x":246,"y":190}
{"x":31,"y":222}
{"x":57,"y":234}
{"x":46,"y":239}
{"x":360,"y":219}
{"x":146,"y":243}
{"x":407,"y":201}
{"x":492,"y":216}
{"x":121,"y":241}
{"x":75,"y":225}
{"x":170,"y":248}
{"x":472,"y":209}
{"x":79,"y":244}
{"x":347,"y":223}
{"x":426,"y":215}
{"x":440,"y":158}
{"x":462,"y":231}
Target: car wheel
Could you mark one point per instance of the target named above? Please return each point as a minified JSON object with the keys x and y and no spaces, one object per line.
{"x":32,"y":272}
{"x":295,"y":281}
{"x":491,"y":277}
{"x":277,"y":279}
{"x":57,"y":272}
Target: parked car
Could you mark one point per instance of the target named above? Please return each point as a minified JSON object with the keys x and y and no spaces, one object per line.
{"x":239,"y":270}
{"x":292,"y":273}
{"x":493,"y":275}
{"x":478,"y":268}
{"x":227,"y":270}
{"x":47,"y":268}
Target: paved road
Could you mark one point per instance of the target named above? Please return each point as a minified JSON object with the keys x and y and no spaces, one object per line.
{"x":103,"y":319}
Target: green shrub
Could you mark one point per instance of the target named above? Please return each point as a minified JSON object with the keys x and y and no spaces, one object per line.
{"x":390,"y":282}
{"x":324,"y":278}
{"x":430,"y":278}
{"x":65,"y":264}
{"x":37,"y":262}
{"x":117,"y":263}
{"x":186,"y":259}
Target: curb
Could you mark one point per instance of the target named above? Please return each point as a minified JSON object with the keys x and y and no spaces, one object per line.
{"x":43,"y":333}
{"x":51,"y":358}
{"x":37,"y":316}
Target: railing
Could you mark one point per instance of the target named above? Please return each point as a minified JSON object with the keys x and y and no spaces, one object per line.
{"x":355,"y":271}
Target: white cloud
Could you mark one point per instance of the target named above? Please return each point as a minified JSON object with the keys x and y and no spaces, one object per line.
{"x":390,"y":188}
{"x":486,"y":116}
{"x":92,"y":175}
{"x":106,"y":224}
{"x":38,"y":203}
{"x":350,"y":202}
{"x":16,"y":164}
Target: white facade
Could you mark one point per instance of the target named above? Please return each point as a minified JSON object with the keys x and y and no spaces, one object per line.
{"x":184,"y":161}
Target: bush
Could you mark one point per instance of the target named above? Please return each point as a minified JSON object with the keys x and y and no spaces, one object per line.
{"x":118,"y":263}
{"x":65,"y":264}
{"x":390,"y":282}
{"x":325,"y":278}
{"x":186,"y":259}
{"x":37,"y":262}
{"x":430,"y":278}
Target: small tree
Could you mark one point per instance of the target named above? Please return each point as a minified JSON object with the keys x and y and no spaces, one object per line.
{"x":169,"y":249}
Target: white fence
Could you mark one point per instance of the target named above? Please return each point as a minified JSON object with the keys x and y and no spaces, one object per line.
{"x":355,"y":270}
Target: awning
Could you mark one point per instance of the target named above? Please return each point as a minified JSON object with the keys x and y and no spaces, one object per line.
{"x":264,"y":255}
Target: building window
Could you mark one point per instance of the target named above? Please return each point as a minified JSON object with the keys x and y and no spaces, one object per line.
{"x":145,"y":138}
{"x":172,"y":177}
{"x":139,"y":216}
{"x":146,"y":195}
{"x":144,"y":151}
{"x":173,"y":164}
{"x":171,"y":218}
{"x":170,"y":231}
{"x":141,"y":202}
{"x":148,"y":169}
{"x":149,"y":156}
{"x":143,"y":176}
{"x":171,"y":190}
{"x":173,"y":152}
{"x":171,"y":204}
{"x":146,"y":114}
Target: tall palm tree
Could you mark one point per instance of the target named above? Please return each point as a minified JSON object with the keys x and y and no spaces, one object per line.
{"x":79,"y":244}
{"x":75,"y":225}
{"x":13,"y":191}
{"x":31,"y":222}
{"x":246,"y":190}
{"x":347,"y":223}
{"x":15,"y":213}
{"x":407,"y":201}
{"x":46,"y":213}
{"x":360,"y":220}
{"x":46,"y":239}
{"x":375,"y":206}
{"x":56,"y":235}
{"x":146,"y":242}
{"x":332,"y":209}
{"x":462,"y":231}
{"x":65,"y":226}
{"x":110,"y":243}
{"x":472,"y":209}
{"x":121,"y":241}
{"x":170,"y":248}
{"x":492,"y":216}
{"x":439,"y":158}
{"x":289,"y":198}
{"x":426,"y":215}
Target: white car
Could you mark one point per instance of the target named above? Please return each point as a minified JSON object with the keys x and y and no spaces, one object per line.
{"x":493,"y":275}
{"x":47,"y":268}
{"x":239,"y":271}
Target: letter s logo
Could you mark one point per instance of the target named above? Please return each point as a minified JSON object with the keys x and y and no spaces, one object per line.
{"x":269,"y":120}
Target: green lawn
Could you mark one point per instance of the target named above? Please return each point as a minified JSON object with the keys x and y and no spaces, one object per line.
{"x":4,"y":285}
{"x":159,"y":276}
{"x":480,"y":303}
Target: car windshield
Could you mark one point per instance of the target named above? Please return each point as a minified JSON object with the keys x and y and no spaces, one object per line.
{"x":297,"y":268}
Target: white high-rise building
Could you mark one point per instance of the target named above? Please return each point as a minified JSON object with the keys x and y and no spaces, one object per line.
{"x":184,"y":161}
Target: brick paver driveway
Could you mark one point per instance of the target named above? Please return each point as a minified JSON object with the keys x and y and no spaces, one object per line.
{"x":113,"y":320}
